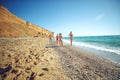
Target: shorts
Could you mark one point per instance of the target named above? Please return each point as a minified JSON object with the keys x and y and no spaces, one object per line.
{"x":61,"y":41}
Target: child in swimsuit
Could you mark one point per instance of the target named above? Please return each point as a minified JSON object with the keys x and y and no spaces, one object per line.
{"x":57,"y":39}
{"x":60,"y":39}
{"x":71,"y":38}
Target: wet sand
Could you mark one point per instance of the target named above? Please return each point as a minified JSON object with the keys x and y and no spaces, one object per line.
{"x":81,"y":65}
{"x":30,"y":59}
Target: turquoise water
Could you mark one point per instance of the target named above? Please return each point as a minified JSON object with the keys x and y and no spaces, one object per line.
{"x":113,"y":41}
{"x":106,"y":46}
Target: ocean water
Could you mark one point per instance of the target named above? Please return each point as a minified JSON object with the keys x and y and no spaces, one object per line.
{"x":105,"y":46}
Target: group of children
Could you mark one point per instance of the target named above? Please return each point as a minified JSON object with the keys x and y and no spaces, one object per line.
{"x":59,"y":38}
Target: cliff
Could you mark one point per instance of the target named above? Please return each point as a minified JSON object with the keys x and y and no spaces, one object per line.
{"x":13,"y":26}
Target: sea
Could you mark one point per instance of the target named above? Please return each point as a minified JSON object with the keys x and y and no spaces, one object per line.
{"x":105,"y":46}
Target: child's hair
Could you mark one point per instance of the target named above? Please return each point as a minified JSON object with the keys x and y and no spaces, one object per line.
{"x":60,"y":34}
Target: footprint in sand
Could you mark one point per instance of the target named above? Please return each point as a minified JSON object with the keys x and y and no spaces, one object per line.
{"x":41,"y":74}
{"x":32,"y":76}
{"x":4,"y":70}
{"x":45,"y":69}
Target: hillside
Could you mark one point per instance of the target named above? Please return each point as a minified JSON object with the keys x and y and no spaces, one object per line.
{"x":13,"y":26}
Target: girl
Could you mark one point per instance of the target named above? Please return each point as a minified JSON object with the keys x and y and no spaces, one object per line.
{"x":60,"y":39}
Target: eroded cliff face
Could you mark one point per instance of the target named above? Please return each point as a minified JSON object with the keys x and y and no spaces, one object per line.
{"x":13,"y":26}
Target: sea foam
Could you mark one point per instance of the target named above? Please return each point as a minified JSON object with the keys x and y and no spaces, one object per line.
{"x":101,"y":48}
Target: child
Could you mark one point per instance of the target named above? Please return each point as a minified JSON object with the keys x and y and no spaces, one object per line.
{"x":57,"y":38}
{"x":71,"y":38}
{"x":60,"y":39}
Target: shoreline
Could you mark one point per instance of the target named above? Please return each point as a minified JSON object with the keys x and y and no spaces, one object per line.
{"x":28,"y":58}
{"x":86,"y":65}
{"x":112,"y":56}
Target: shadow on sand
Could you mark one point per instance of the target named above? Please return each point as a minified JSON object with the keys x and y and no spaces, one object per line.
{"x":51,"y":46}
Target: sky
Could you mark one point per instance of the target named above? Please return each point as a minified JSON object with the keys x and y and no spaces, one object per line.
{"x":82,"y":17}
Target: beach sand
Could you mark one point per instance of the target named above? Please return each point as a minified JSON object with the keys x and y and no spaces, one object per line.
{"x":28,"y":58}
{"x":82,"y":65}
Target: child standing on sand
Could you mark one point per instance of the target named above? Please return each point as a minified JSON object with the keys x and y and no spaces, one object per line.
{"x":60,"y":39}
{"x":71,"y":38}
{"x":50,"y":39}
{"x":57,"y":38}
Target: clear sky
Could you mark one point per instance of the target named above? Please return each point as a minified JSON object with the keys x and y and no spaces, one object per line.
{"x":82,"y":17}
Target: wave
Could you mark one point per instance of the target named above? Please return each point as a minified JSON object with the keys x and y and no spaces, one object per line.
{"x":101,"y":48}
{"x":112,"y":41}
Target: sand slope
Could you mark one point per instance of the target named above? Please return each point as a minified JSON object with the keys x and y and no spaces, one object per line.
{"x":28,"y":59}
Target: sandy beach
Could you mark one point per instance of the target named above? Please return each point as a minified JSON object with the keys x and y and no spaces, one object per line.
{"x":33,"y":58}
